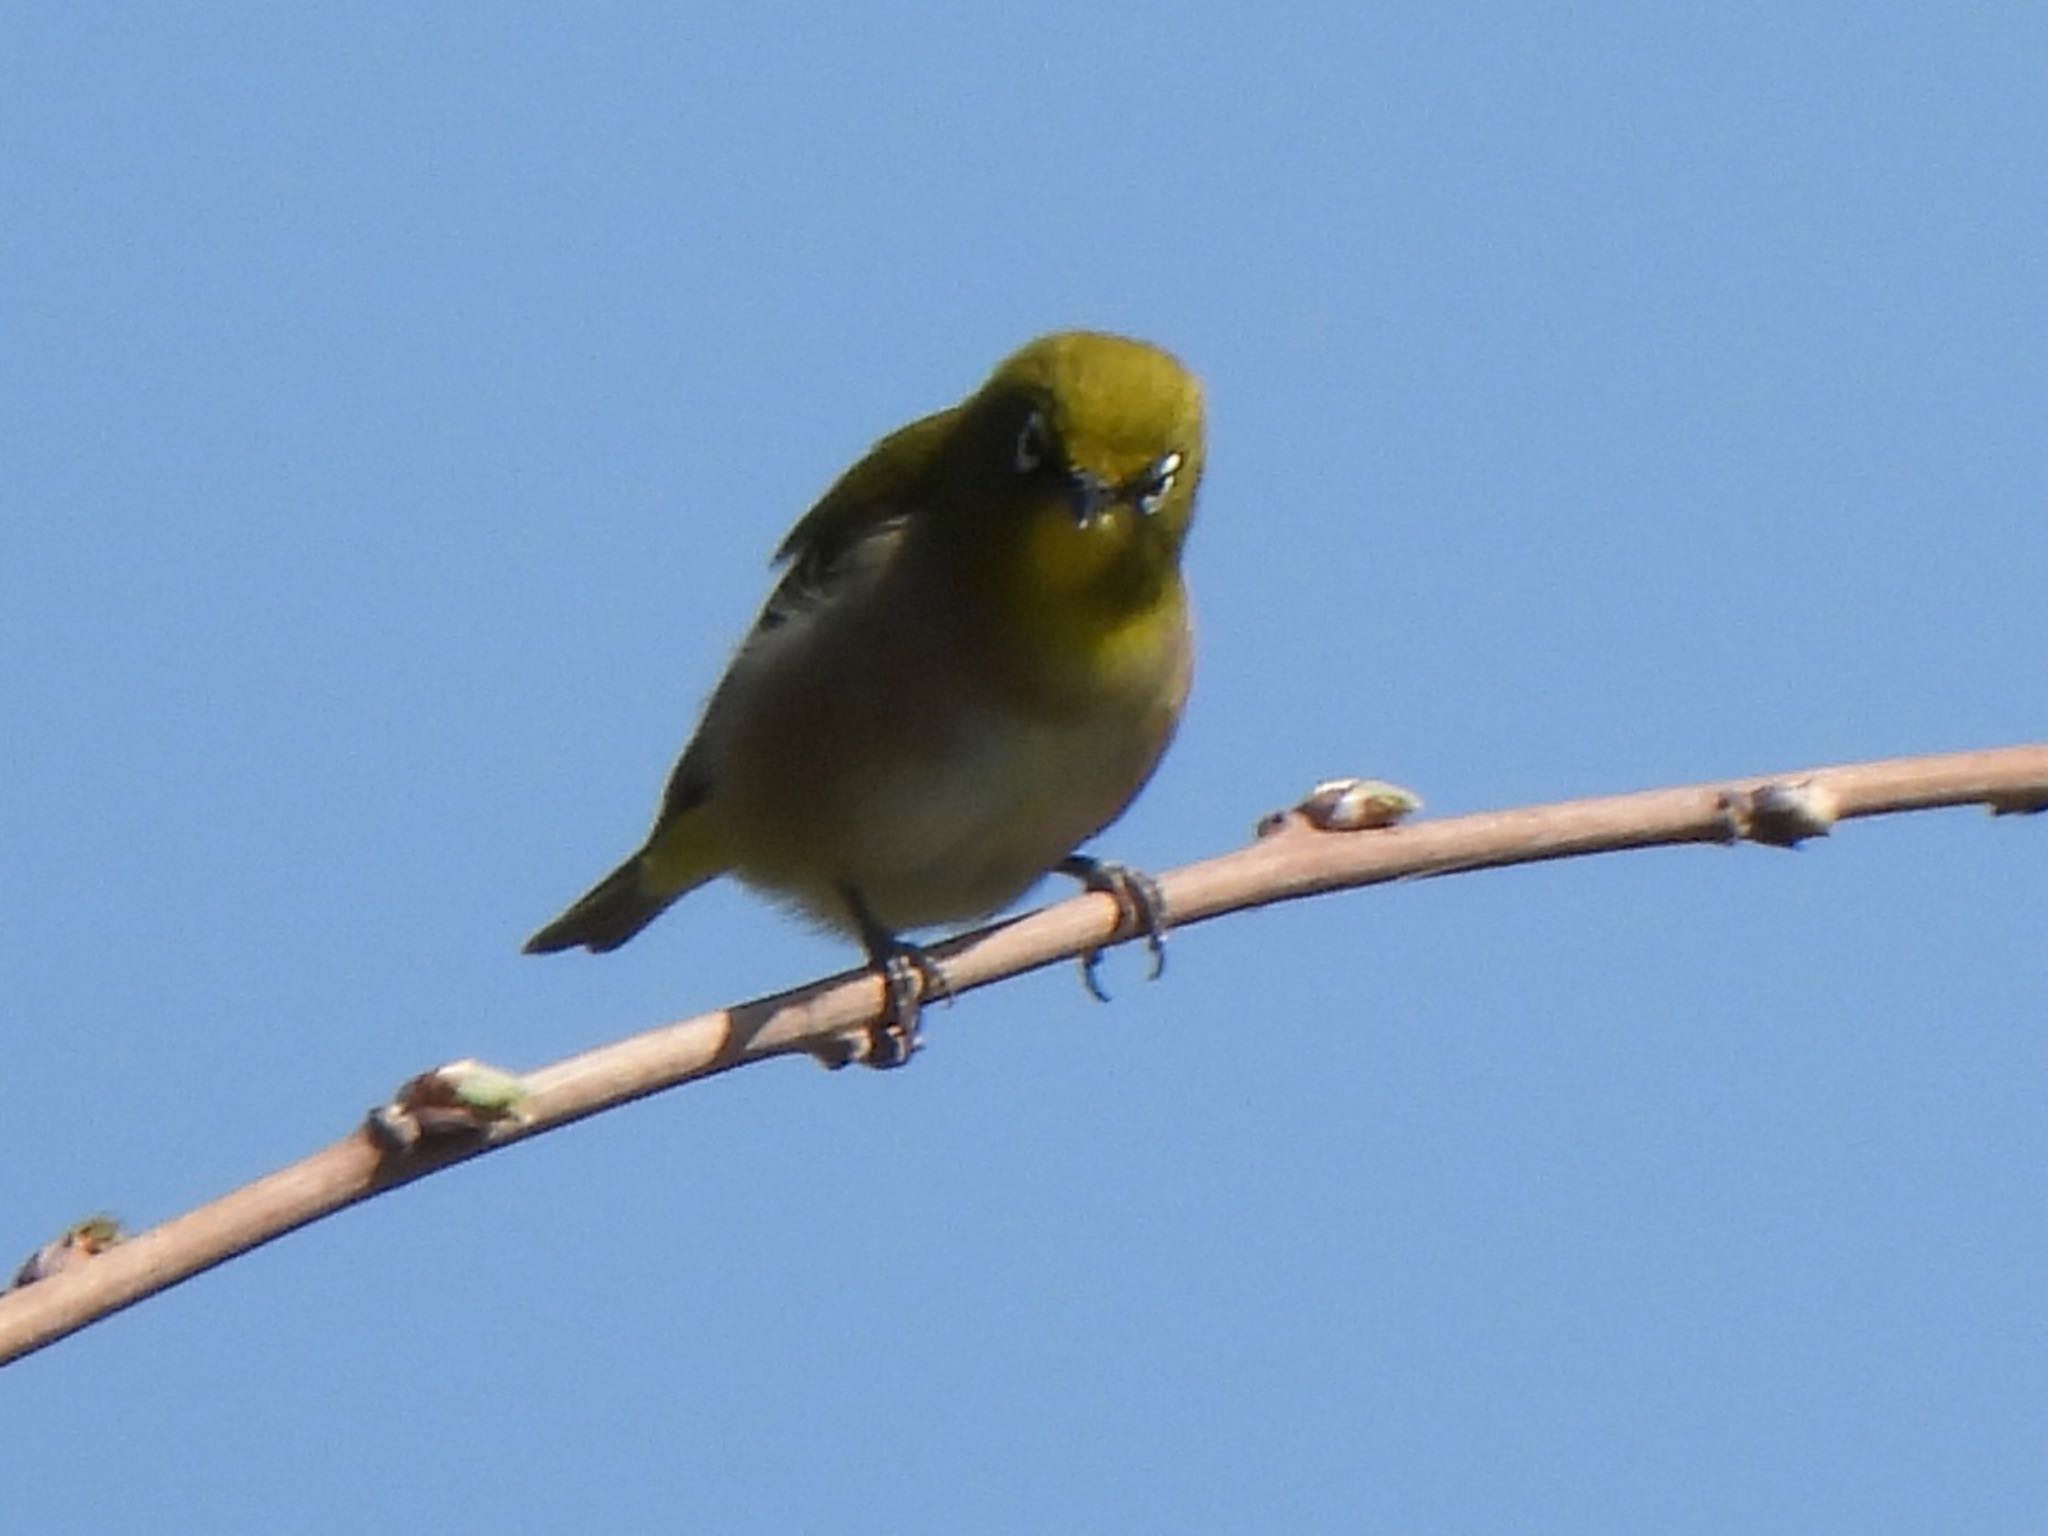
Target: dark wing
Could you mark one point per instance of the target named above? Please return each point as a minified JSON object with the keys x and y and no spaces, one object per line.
{"x":865,"y":505}
{"x":871,"y":499}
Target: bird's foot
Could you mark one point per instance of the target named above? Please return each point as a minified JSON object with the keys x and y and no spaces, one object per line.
{"x":909,"y":976}
{"x":1141,"y":909}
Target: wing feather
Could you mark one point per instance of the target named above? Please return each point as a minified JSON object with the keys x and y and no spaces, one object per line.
{"x":852,"y":526}
{"x":871,"y":500}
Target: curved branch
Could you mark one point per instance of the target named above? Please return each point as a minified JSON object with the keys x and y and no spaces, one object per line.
{"x":1297,"y":860}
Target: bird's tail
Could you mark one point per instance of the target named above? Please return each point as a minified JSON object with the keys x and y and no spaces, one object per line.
{"x":621,"y":904}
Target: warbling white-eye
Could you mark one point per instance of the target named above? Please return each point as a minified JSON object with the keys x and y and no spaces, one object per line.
{"x":976,"y":654}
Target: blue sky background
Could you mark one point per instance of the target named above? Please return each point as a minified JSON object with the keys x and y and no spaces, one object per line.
{"x":399,"y":407}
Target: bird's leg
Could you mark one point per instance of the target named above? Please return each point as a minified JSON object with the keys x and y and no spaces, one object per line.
{"x":1141,"y":906}
{"x":909,"y":976}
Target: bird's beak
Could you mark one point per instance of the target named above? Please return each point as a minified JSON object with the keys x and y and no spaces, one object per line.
{"x":1091,"y":495}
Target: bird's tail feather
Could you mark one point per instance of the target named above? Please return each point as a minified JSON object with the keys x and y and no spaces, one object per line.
{"x":616,"y":908}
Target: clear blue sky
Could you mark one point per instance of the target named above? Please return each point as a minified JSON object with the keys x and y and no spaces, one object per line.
{"x":399,"y":407}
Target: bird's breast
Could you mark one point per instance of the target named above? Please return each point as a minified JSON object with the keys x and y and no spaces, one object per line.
{"x":942,"y":792}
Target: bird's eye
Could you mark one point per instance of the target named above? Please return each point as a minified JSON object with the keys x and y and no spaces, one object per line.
{"x":1158,"y":484}
{"x":1033,"y":444}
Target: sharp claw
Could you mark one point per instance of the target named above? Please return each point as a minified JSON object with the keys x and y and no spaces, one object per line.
{"x":1141,"y":906}
{"x":909,"y":976}
{"x":1091,"y":975}
{"x":896,"y":1035}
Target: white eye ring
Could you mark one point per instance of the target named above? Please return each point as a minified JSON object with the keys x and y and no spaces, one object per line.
{"x":1032,"y":444}
{"x":1153,"y":497}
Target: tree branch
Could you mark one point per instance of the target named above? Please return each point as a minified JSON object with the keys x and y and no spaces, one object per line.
{"x":1296,"y":860}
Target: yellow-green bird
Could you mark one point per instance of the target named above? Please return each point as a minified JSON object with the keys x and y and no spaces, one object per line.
{"x":976,"y":654}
